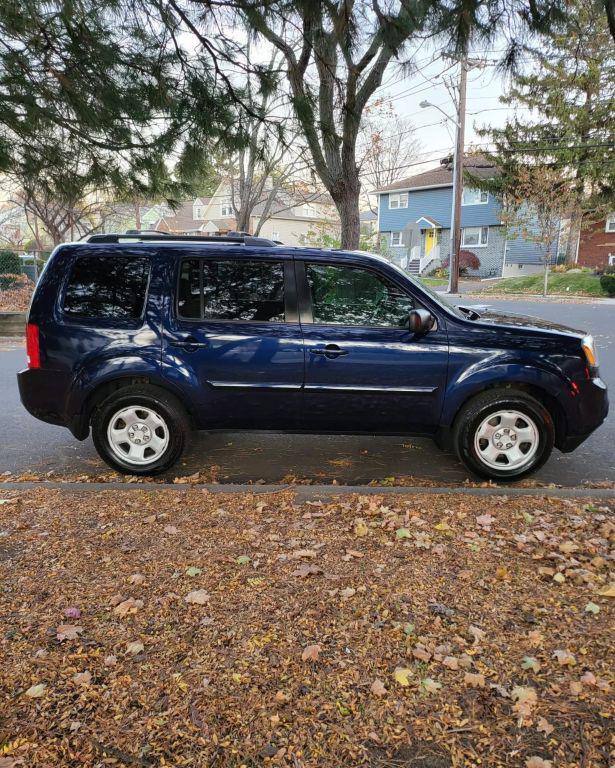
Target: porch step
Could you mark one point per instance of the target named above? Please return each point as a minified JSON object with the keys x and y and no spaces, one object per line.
{"x":414,"y":266}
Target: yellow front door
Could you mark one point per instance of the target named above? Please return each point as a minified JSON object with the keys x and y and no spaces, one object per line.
{"x":430,"y":241}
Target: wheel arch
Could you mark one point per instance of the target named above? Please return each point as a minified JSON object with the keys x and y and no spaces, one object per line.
{"x":542,"y":395}
{"x":101,"y":391}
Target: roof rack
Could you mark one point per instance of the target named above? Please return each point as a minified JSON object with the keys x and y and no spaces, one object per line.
{"x":233,"y":238}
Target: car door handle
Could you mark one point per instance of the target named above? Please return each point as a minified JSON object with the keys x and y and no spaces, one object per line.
{"x":189,"y":343}
{"x":331,"y":351}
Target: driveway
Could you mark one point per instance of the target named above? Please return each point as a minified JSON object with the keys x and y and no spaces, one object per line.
{"x":29,"y":445}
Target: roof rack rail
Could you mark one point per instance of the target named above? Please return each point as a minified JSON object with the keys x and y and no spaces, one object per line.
{"x":234,"y":238}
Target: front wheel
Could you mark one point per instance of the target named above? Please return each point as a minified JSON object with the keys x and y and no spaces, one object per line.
{"x":140,"y":430}
{"x":504,"y":434}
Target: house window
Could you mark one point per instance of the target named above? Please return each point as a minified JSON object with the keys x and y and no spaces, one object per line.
{"x":198,"y":212}
{"x":474,"y":197}
{"x":275,"y":235}
{"x":477,"y":237}
{"x":610,"y":223}
{"x":226,"y":207}
{"x":307,"y":211}
{"x":397,"y":238}
{"x":611,"y":259}
{"x":399,"y":200}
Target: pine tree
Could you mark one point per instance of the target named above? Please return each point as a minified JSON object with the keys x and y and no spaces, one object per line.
{"x":569,"y":86}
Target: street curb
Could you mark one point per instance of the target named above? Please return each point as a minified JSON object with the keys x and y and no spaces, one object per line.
{"x":315,"y":491}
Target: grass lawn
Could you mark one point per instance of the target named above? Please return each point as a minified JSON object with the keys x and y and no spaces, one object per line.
{"x":575,"y":284}
{"x":434,"y":282}
{"x":185,"y":628}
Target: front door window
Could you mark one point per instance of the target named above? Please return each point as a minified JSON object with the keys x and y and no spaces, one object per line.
{"x":357,"y":297}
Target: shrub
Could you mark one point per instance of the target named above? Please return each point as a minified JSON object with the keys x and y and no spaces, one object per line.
{"x":467,"y":260}
{"x":607,"y":283}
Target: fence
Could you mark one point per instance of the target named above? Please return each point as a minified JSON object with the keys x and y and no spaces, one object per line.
{"x":19,"y":273}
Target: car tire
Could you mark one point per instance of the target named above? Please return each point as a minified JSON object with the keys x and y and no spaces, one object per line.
{"x":503,"y":434}
{"x":140,"y":430}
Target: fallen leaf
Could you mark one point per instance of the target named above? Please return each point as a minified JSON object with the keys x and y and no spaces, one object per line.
{"x":360,"y":529}
{"x":525,"y":699}
{"x":608,"y":591}
{"x":442,"y":526}
{"x":378,"y":689}
{"x":311,"y":653}
{"x":535,"y":638}
{"x":474,"y":680}
{"x":68,"y":632}
{"x":568,"y":547}
{"x":126,"y":607}
{"x":36,"y":691}
{"x":135,"y":647}
{"x":538,"y":762}
{"x":198,"y":597}
{"x":402,"y":675}
{"x":451,"y":662}
{"x":545,"y":726}
{"x":430,"y":686}
{"x":576,"y":688}
{"x":478,"y":635}
{"x":243,"y":560}
{"x":421,"y":653}
{"x":559,"y":578}
{"x":82,"y":678}
{"x":136,"y":578}
{"x":303,"y":553}
{"x":347,"y":593}
{"x":485,"y":521}
{"x":402,"y":533}
{"x":306,"y":569}
{"x":592,"y":608}
{"x":564,"y":658}
{"x":72,"y":613}
{"x":170,"y":529}
{"x":529,"y":662}
{"x":588,"y":678}
{"x":193,"y":571}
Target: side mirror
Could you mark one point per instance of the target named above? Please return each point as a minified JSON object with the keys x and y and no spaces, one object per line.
{"x":420,"y":322}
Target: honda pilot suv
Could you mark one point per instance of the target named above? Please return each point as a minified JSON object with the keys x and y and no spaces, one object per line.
{"x":143,"y":338}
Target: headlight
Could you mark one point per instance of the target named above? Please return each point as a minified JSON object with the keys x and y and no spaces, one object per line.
{"x":590,"y":351}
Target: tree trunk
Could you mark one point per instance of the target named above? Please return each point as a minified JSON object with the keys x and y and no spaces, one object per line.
{"x":137,"y":215}
{"x":573,"y":236}
{"x":545,"y":284}
{"x":347,"y":203}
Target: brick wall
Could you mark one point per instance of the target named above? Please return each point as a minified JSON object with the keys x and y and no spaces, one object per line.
{"x":595,"y":246}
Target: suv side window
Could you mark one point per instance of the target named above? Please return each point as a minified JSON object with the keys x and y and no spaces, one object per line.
{"x":107,"y":287}
{"x":344,"y":295}
{"x":231,"y":289}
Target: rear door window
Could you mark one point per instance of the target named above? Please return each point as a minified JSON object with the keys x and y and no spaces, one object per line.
{"x":107,"y":287}
{"x":232,"y":289}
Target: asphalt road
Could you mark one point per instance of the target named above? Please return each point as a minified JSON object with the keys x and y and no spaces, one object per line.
{"x":28,"y":445}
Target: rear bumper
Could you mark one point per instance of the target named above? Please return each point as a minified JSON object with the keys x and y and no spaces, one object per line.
{"x":592,"y":410}
{"x":42,"y":393}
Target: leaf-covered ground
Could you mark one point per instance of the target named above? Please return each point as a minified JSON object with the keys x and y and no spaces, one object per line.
{"x":184,"y":628}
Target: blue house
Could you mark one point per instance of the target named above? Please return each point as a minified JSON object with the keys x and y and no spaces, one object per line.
{"x":414,"y":223}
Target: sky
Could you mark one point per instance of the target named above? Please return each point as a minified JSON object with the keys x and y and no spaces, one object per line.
{"x":435,"y":133}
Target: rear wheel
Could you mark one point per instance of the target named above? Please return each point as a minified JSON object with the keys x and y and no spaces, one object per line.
{"x":140,"y":430}
{"x":504,"y":434}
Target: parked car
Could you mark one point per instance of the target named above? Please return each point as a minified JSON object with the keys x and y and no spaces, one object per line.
{"x":142,"y":338}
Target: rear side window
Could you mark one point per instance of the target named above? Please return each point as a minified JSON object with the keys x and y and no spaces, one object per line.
{"x":107,"y":287}
{"x":227,"y":289}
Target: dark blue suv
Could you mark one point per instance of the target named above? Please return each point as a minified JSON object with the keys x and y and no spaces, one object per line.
{"x":143,"y":338}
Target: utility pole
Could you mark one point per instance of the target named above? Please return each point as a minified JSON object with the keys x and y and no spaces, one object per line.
{"x":453,"y":272}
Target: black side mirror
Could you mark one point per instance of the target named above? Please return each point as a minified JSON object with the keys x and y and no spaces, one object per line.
{"x":420,"y":322}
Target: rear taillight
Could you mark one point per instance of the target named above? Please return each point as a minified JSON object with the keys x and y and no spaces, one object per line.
{"x":33,"y":346}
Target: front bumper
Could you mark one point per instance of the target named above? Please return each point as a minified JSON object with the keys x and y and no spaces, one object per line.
{"x":592,"y":410}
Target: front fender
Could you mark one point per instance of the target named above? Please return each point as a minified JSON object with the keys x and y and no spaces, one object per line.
{"x":501,"y":369}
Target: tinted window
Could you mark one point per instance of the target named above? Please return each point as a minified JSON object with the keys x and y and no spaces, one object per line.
{"x":232,"y":290}
{"x":354,"y":296}
{"x":107,"y":287}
